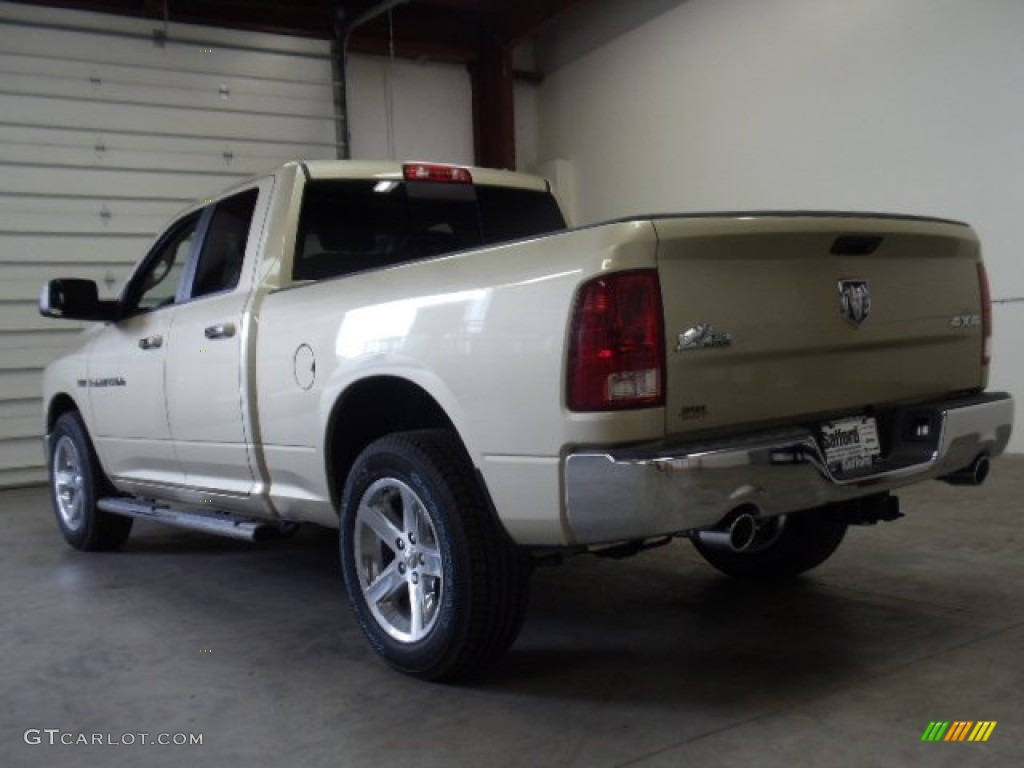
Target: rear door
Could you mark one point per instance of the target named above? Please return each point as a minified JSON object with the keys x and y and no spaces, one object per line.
{"x":206,"y":364}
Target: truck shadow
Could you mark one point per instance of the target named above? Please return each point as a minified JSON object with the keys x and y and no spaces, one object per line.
{"x":663,"y":630}
{"x":660,"y":629}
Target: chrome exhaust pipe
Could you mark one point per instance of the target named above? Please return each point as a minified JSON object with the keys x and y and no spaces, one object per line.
{"x":737,"y":536}
{"x":975,"y":474}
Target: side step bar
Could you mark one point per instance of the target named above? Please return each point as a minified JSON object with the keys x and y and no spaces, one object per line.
{"x":205,"y":520}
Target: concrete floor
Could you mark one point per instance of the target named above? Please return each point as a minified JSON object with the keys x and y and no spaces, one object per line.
{"x":654,"y":661}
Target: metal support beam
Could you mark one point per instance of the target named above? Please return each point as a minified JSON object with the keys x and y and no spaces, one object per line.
{"x":494,"y":130}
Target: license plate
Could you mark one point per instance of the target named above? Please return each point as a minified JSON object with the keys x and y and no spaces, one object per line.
{"x":851,"y":444}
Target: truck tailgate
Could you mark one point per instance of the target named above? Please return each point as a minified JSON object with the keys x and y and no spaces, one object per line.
{"x":775,"y":318}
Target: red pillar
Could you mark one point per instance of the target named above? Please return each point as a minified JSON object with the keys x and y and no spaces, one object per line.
{"x":494,"y":131}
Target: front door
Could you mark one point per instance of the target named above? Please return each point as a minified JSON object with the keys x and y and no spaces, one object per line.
{"x":125,"y":381}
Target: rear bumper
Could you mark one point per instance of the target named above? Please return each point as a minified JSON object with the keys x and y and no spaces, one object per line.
{"x":642,"y":491}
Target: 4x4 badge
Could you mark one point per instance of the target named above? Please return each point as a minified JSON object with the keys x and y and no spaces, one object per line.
{"x":854,"y":301}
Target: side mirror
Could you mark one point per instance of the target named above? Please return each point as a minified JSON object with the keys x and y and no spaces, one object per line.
{"x":75,"y":299}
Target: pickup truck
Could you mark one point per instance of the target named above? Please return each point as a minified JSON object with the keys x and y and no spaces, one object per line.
{"x":425,"y":357}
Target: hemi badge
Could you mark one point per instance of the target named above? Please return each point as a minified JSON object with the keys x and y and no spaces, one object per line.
{"x":702,"y":336}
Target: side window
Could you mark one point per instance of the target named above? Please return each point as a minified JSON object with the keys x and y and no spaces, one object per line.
{"x":223,"y":250}
{"x":157,"y":285}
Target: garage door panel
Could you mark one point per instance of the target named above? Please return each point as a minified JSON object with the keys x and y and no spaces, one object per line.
{"x":29,"y":408}
{"x":22,"y":427}
{"x":38,"y":355}
{"x":96,"y":223}
{"x":56,"y":337}
{"x":271,"y":151}
{"x":17,"y":290}
{"x":59,"y":207}
{"x":60,"y":250}
{"x":103,"y":139}
{"x":109,"y":281}
{"x":21,"y":453}
{"x":87,"y":214}
{"x":239,"y":166}
{"x":14,"y":478}
{"x":21,"y":385}
{"x":24,"y":316}
{"x":206,"y":94}
{"x":29,"y":281}
{"x":311,"y":91}
{"x":141,"y":184}
{"x":176,"y":56}
{"x":21,"y":108}
{"x":101,"y":22}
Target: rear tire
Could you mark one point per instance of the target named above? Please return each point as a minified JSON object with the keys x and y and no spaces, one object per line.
{"x":76,"y":484}
{"x":436,"y":584}
{"x":805,"y":541}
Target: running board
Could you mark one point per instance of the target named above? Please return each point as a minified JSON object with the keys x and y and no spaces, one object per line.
{"x":205,"y":520}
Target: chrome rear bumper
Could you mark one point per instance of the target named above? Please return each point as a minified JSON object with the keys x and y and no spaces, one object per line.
{"x":637,"y":492}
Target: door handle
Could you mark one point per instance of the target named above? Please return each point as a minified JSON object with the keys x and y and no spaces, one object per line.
{"x":222,"y":331}
{"x":151,"y":342}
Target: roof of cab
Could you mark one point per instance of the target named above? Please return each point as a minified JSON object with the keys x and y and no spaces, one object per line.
{"x":364,"y":169}
{"x":387,"y":170}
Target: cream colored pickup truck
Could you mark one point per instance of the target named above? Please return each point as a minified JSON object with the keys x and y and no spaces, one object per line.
{"x":426,"y":358}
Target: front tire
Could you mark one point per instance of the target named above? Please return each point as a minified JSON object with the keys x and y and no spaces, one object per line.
{"x":804,"y":540}
{"x":436,"y":584}
{"x":76,"y":484}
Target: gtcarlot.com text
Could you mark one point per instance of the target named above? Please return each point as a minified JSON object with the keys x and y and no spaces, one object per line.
{"x":58,"y":737}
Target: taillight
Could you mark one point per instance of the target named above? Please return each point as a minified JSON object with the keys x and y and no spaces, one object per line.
{"x":986,"y":315}
{"x":451,"y":174}
{"x":616,"y":344}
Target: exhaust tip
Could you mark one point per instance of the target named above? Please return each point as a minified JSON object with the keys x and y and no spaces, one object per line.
{"x":742,"y":532}
{"x":738,"y":536}
{"x":974,"y":474}
{"x":981,"y":470}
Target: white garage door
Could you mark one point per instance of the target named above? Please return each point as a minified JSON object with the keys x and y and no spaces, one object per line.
{"x":106,"y":130}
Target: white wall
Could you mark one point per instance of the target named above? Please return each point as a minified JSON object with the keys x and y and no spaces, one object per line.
{"x":404,"y":110}
{"x":912,"y":106}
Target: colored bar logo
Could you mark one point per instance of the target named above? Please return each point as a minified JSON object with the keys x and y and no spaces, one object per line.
{"x":959,"y":730}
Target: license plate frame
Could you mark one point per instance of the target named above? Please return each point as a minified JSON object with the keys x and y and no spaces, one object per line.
{"x":850,"y":444}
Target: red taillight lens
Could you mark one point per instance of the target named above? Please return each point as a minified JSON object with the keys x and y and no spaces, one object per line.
{"x":986,"y":316}
{"x":451,"y":174}
{"x":616,"y":344}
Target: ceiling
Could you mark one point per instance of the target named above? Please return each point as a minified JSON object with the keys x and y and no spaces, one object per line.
{"x":438,"y":30}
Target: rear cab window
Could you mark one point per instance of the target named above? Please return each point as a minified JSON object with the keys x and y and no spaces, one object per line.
{"x":350,"y":226}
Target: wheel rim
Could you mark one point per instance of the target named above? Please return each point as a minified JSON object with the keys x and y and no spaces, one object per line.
{"x":67,"y":482}
{"x":398,"y":560}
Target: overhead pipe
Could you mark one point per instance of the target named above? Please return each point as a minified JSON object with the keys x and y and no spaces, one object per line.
{"x":342,"y":35}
